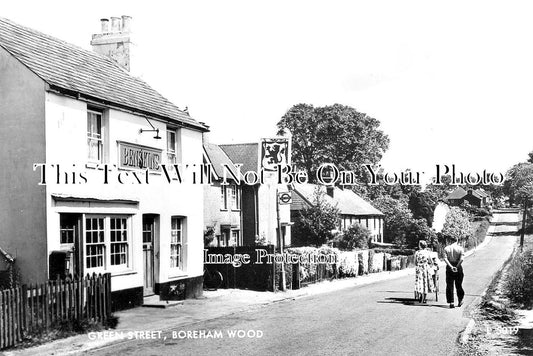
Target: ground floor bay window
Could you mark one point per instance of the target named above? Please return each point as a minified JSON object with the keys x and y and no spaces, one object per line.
{"x":106,"y":243}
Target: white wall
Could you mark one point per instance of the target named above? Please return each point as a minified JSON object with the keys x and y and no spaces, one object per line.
{"x":66,"y":143}
{"x":267,"y":209}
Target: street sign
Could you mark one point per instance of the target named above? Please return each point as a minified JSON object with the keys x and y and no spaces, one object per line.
{"x":284,"y":198}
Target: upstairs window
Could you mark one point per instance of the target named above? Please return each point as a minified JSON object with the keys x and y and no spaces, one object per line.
{"x":223,"y":198}
{"x":171,"y":147}
{"x":95,"y":138}
{"x":235,"y":197}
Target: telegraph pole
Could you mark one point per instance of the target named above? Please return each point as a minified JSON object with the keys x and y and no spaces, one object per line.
{"x":524,"y":217}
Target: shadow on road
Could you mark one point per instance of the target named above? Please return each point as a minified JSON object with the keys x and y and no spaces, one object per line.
{"x":411,"y":301}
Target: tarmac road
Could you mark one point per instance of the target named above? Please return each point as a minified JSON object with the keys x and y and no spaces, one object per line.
{"x":376,"y":319}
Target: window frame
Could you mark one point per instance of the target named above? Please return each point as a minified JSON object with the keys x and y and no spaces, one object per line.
{"x":107,"y":254}
{"x":182,"y":243}
{"x":224,"y":197}
{"x":235,"y":197}
{"x":172,"y":151}
{"x":67,"y":229}
{"x":91,"y":136}
{"x":236,"y":236}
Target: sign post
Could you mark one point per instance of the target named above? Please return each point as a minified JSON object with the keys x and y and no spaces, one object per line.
{"x":280,"y":236}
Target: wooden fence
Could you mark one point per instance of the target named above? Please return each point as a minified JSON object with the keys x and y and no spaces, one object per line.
{"x":27,"y":310}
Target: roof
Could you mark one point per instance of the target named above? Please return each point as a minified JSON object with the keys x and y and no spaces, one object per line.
{"x":348,"y":202}
{"x":243,"y":153}
{"x":482,"y":193}
{"x":75,"y":70}
{"x":7,"y":256}
{"x":217,"y":157}
{"x":458,"y":193}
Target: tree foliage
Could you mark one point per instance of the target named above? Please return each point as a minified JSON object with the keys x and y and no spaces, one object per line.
{"x":519,"y":183}
{"x":336,"y":134}
{"x":356,"y":236}
{"x":422,"y":205}
{"x":315,"y":224}
{"x":400,"y":226}
{"x":457,"y":224}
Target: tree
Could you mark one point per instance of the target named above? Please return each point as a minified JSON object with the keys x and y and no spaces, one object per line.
{"x":315,"y":224}
{"x":400,"y":226}
{"x":422,"y":205}
{"x":396,"y":220}
{"x":519,"y":185}
{"x":457,"y":225}
{"x":335,"y":134}
{"x":439,"y":192}
{"x":356,"y":236}
{"x":418,"y":229}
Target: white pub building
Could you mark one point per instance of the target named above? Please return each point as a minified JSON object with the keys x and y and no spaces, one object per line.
{"x":66,"y":114}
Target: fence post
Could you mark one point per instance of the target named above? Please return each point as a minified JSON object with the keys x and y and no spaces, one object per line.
{"x":108,"y":295}
{"x":296,"y":275}
{"x":9,"y":317}
{"x":2,"y":325}
{"x":18,"y":312}
{"x":2,"y":322}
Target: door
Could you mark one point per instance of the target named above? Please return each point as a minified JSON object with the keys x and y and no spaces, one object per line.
{"x":148,"y":254}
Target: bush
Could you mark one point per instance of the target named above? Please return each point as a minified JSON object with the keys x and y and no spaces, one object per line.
{"x":348,"y":264}
{"x":518,"y":285}
{"x":356,"y":236}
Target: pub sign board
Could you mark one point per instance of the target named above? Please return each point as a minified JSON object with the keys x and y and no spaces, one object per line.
{"x":132,"y":156}
{"x":274,"y":151}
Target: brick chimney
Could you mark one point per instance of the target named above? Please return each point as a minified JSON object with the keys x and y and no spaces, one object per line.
{"x":114,"y":40}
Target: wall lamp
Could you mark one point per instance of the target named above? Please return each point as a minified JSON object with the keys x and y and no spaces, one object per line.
{"x":153,"y":129}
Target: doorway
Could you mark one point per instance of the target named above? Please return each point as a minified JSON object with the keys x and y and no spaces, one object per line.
{"x":149,"y":237}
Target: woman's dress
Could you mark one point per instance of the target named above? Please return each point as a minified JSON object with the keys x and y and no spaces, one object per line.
{"x":422,"y":283}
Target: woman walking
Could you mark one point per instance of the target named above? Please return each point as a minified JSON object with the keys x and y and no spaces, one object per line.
{"x":422,"y":260}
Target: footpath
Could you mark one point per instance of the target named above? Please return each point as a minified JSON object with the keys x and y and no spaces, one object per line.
{"x":213,"y":305}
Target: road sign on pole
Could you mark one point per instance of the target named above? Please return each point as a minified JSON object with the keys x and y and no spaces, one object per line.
{"x":284,"y":198}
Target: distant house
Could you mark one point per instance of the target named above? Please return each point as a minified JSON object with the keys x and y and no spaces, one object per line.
{"x":222,"y":203}
{"x":352,"y":208}
{"x":259,"y":216}
{"x":478,"y":197}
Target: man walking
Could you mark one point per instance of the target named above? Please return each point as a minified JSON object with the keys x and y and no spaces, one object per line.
{"x":453,"y":256}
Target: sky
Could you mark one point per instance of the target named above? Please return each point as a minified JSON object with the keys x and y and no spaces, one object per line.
{"x":451,"y":82}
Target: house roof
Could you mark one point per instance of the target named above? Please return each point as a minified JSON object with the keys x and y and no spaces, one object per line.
{"x":243,"y":153}
{"x":458,"y":193}
{"x":7,"y":256}
{"x":346,"y":200}
{"x":68,"y":68}
{"x":217,"y":158}
{"x":482,"y":193}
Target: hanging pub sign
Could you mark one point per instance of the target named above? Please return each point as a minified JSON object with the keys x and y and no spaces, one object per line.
{"x":274,"y":151}
{"x":133,"y":156}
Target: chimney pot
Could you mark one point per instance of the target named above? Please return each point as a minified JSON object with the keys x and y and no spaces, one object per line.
{"x":115,"y":24}
{"x":126,"y":23}
{"x":105,"y":25}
